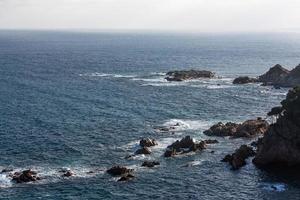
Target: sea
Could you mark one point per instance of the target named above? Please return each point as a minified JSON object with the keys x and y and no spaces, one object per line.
{"x":82,"y":100}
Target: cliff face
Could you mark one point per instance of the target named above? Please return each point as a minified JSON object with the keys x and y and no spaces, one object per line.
{"x":281,"y":143}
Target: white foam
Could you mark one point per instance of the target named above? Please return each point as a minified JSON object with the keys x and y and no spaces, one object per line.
{"x":97,"y":74}
{"x":276,"y":187}
{"x":5,"y":181}
{"x":186,"y":124}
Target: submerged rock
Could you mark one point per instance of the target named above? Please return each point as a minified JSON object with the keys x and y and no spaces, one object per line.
{"x":68,"y":174}
{"x":150,"y":164}
{"x":188,"y":74}
{"x":147,"y":142}
{"x":143,"y":150}
{"x":244,"y":80}
{"x":247,"y":129}
{"x":119,"y":170}
{"x":280,"y":146}
{"x":126,"y":177}
{"x":25,"y":176}
{"x":238,"y":158}
{"x":185,"y":145}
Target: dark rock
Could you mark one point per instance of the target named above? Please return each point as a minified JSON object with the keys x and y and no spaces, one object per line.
{"x":275,"y":75}
{"x":25,"y":176}
{"x":126,"y":177}
{"x":119,"y":170}
{"x":222,"y":130}
{"x":185,"y":145}
{"x":276,"y":111}
{"x":188,"y":74}
{"x":6,"y":170}
{"x":68,"y":174}
{"x":280,"y":146}
{"x":247,"y":129}
{"x":150,"y":164}
{"x":147,"y":142}
{"x":211,"y":141}
{"x":143,"y":150}
{"x":244,"y":80}
{"x":237,"y":159}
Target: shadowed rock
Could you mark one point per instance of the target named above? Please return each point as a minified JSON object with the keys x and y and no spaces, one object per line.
{"x":126,"y":177}
{"x":25,"y":176}
{"x":185,"y":145}
{"x":188,"y":74}
{"x":274,"y":76}
{"x":118,"y":171}
{"x":238,"y":158}
{"x":150,"y":164}
{"x":247,"y":129}
{"x":143,"y":150}
{"x":280,"y":146}
{"x":244,"y":80}
{"x":147,"y":142}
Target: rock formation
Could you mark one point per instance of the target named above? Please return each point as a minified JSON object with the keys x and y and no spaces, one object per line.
{"x":238,"y":158}
{"x":25,"y":176}
{"x":247,"y":129}
{"x":280,"y":145}
{"x":188,"y":74}
{"x":147,"y":142}
{"x":244,"y":80}
{"x":186,"y":145}
{"x":274,"y":76}
{"x":150,"y":164}
{"x":143,"y":150}
{"x":119,"y":170}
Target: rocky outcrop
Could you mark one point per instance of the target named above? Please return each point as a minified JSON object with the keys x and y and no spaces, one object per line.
{"x":244,"y":80}
{"x":247,"y":129}
{"x":238,"y":158}
{"x":147,"y":142}
{"x":126,"y":177}
{"x":119,"y":170}
{"x":185,"y":145}
{"x":280,"y":146}
{"x":25,"y":176}
{"x":150,"y":164}
{"x":275,"y":75}
{"x":281,"y":77}
{"x":188,"y":74}
{"x":143,"y":150}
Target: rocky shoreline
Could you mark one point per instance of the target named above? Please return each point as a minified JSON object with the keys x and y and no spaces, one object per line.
{"x":278,"y":145}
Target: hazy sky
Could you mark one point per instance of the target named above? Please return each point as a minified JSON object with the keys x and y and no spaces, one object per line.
{"x":179,"y":15}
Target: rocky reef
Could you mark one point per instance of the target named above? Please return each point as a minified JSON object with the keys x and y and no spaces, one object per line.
{"x":238,"y":158}
{"x":244,"y":80}
{"x":280,"y":145}
{"x":246,"y":129}
{"x":276,"y":76}
{"x":188,"y":74}
{"x":25,"y":176}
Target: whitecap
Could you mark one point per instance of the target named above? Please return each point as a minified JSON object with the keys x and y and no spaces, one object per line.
{"x":5,"y":181}
{"x":186,"y":124}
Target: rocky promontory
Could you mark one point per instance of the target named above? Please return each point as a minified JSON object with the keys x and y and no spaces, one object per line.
{"x":280,"y":145}
{"x":183,"y":75}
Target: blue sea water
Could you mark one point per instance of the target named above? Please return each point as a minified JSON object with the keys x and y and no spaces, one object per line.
{"x":83,"y":100}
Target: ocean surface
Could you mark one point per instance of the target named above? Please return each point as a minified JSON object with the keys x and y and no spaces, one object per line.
{"x":83,"y":100}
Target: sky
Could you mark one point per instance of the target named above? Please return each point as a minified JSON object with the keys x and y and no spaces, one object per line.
{"x":162,"y":15}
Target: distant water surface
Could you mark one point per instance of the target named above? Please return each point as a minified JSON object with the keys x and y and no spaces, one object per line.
{"x":83,"y":100}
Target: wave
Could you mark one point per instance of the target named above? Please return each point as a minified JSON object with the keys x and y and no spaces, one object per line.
{"x":97,"y":74}
{"x":275,"y":187}
{"x":186,"y":124}
{"x":51,"y":174}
